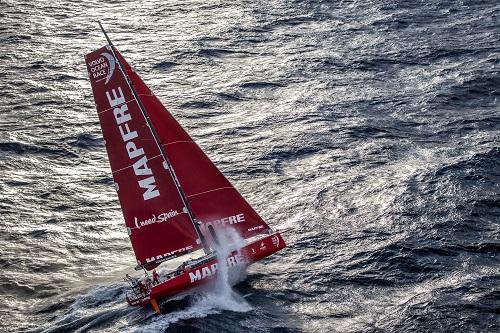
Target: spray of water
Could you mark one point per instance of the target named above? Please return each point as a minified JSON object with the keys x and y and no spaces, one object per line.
{"x":217,"y":295}
{"x":220,"y":294}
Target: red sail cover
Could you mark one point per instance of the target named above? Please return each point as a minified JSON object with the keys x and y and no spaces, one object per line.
{"x":156,"y":220}
{"x":212,"y":198}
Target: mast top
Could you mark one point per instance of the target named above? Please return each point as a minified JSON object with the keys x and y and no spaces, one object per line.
{"x":105,"y":34}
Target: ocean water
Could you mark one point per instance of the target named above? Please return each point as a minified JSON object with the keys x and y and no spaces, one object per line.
{"x":369,"y":127}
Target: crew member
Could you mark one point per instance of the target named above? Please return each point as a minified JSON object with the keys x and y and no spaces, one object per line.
{"x":156,"y":277}
{"x":142,"y":287}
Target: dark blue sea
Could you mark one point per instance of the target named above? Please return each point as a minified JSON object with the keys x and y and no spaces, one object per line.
{"x":372,"y":128}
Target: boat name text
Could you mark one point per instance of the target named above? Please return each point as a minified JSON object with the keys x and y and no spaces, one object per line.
{"x":169,"y":254}
{"x":209,"y":271}
{"x":238,"y":218}
{"x":140,"y":166}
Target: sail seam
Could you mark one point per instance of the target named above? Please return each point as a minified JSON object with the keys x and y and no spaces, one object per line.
{"x":215,"y":189}
{"x":126,"y":102}
{"x":149,"y":159}
{"x":171,"y":143}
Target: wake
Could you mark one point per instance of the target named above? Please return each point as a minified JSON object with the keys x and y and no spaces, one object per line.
{"x":216,"y":296}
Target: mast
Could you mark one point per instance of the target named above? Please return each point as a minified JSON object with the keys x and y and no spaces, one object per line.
{"x":160,"y":147}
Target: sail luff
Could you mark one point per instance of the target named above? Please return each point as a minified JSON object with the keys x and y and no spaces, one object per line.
{"x":159,"y":144}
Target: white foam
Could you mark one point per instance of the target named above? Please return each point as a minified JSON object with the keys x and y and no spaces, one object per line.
{"x":221,"y":294}
{"x":216,"y":296}
{"x":162,"y":322}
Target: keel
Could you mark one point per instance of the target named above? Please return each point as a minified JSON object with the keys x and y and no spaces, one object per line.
{"x":155,"y":306}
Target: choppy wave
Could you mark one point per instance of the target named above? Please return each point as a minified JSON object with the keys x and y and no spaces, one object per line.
{"x":369,"y":128}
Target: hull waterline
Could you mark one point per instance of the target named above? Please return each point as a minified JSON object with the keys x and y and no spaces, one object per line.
{"x":206,"y":271}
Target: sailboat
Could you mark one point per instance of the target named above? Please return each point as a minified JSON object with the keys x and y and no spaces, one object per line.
{"x":175,"y":201}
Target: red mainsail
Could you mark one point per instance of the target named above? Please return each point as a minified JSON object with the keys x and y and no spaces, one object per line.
{"x":151,"y":191}
{"x":154,"y":213}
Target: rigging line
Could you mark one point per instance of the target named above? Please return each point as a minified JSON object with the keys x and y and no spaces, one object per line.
{"x":173,"y":142}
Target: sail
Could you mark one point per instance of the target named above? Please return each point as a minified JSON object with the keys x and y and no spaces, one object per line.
{"x":155,"y":216}
{"x":213,"y":199}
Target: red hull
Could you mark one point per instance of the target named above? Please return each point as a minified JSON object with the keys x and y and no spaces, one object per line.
{"x":202,"y":273}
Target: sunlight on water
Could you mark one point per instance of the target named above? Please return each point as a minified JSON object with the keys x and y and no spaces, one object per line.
{"x":370,"y":128}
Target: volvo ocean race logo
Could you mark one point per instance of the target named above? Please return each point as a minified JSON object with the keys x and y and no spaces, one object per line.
{"x":102,"y":67}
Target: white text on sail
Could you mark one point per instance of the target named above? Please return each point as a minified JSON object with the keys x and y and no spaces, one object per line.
{"x":238,"y":218}
{"x":140,"y":166}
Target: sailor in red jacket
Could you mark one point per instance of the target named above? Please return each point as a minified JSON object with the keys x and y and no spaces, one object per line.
{"x":156,"y":277}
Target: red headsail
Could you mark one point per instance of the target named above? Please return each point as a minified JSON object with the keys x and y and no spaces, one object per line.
{"x":213,"y":199}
